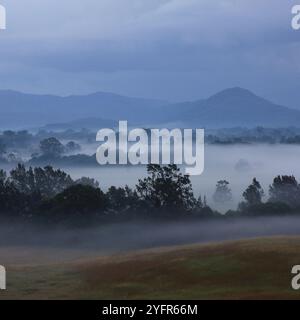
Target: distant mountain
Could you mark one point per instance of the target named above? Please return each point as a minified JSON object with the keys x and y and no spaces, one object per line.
{"x":235,"y":107}
{"x":29,"y":110}
{"x":86,"y":123}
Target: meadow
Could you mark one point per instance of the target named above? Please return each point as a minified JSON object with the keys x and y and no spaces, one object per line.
{"x":246,"y":269}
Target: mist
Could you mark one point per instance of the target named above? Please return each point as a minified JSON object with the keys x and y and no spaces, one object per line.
{"x":27,"y":243}
{"x":238,"y":164}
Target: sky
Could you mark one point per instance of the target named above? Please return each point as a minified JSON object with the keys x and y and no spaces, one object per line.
{"x":174,"y":50}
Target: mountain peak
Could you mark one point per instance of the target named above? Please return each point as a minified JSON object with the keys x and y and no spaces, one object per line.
{"x":235,"y":92}
{"x":235,"y":107}
{"x":9,"y":92}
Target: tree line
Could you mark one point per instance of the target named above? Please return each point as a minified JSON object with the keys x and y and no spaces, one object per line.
{"x":51,"y":195}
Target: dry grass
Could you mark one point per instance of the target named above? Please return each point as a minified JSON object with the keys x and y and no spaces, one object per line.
{"x":248,"y":269}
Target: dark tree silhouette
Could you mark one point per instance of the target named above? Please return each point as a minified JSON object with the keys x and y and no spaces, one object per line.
{"x":122,"y":199}
{"x":166,"y":188}
{"x":77,"y":201}
{"x":46,"y":181}
{"x":51,"y":147}
{"x":254,"y":193}
{"x":2,"y":148}
{"x":88,"y":182}
{"x":285,"y":189}
{"x":72,"y":146}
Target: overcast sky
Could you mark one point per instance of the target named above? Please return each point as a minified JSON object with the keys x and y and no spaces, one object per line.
{"x":168,"y":49}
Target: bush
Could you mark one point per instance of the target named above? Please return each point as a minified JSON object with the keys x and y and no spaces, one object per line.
{"x":266,"y":209}
{"x":75,"y":202}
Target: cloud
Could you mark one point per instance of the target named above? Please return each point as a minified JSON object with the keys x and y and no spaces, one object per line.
{"x":222,"y":41}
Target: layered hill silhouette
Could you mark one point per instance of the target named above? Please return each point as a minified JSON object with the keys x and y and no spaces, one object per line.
{"x":18,"y":110}
{"x":235,"y":107}
{"x":84,"y":123}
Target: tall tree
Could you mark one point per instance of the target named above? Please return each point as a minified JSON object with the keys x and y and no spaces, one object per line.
{"x":76,"y":201}
{"x":254,"y":193}
{"x":51,"y":147}
{"x":285,"y":189}
{"x":2,"y":148}
{"x":223,"y":193}
{"x":166,"y":188}
{"x":46,"y":181}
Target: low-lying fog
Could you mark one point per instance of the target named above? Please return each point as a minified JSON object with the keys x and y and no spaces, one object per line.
{"x":238,"y":164}
{"x":65,"y":244}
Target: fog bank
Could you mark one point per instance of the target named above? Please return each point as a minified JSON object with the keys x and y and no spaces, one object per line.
{"x":118,"y":238}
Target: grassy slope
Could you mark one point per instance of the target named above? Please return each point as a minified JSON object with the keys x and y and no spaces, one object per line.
{"x":246,"y":269}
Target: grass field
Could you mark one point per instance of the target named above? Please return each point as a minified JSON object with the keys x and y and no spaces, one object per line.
{"x":248,"y":269}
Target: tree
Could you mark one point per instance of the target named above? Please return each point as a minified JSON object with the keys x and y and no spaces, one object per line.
{"x":51,"y":147}
{"x":3,"y":178}
{"x":203,"y":211}
{"x":77,"y":201}
{"x":23,"y":179}
{"x":223,"y":193}
{"x":122,"y":199}
{"x":254,"y":193}
{"x":46,"y":181}
{"x":72,"y":146}
{"x":2,"y":148}
{"x":166,"y":188}
{"x":205,"y":202}
{"x":50,"y":182}
{"x":200,"y":203}
{"x":13,"y":202}
{"x":285,"y":189}
{"x":85,"y":181}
